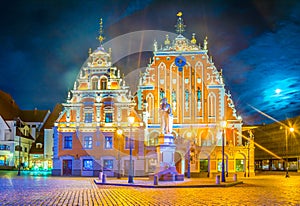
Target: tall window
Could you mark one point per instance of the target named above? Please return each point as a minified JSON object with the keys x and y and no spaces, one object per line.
{"x":211,"y":105}
{"x":88,"y":142}
{"x":87,"y":164}
{"x":88,"y":117}
{"x":103,"y":83}
{"x":108,"y":164}
{"x":68,"y":142}
{"x":108,"y":117}
{"x":95,"y":83}
{"x":108,"y":143}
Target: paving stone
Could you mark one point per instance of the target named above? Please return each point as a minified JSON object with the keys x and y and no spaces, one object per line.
{"x":259,"y":190}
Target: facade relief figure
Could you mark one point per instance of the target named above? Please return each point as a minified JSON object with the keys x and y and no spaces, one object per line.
{"x":166,"y":115}
{"x":161,"y":93}
{"x":173,"y":95}
{"x":198,"y":94}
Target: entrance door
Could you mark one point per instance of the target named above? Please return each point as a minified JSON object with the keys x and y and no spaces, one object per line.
{"x":67,"y":167}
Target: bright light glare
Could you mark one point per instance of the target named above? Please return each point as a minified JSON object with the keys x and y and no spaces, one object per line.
{"x":278,"y":91}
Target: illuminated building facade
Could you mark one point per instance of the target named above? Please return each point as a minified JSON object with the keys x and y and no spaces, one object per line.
{"x":182,"y":71}
{"x":86,"y":140}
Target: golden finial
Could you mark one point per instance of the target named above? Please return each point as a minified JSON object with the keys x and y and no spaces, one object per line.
{"x":180,"y":25}
{"x":101,"y":38}
{"x":167,"y":41}
{"x":193,"y":41}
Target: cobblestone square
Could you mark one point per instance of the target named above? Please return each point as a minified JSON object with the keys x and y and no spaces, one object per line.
{"x":259,"y":190}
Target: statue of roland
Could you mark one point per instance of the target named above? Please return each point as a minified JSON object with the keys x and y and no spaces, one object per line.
{"x":166,"y":115}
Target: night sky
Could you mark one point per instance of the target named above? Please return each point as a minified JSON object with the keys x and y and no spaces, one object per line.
{"x":43,"y":45}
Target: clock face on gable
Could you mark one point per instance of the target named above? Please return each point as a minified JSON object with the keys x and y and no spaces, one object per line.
{"x":180,"y":61}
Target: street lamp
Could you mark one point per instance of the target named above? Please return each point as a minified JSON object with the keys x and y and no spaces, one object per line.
{"x":223,"y":125}
{"x":119,"y":133}
{"x":291,"y":129}
{"x":130,"y":174}
{"x":18,"y":123}
{"x":189,"y":135}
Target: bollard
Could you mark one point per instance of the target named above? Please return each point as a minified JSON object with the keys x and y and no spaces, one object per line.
{"x":100,"y":175}
{"x":235,"y":177}
{"x":155,"y":180}
{"x":218,"y":177}
{"x":103,"y":178}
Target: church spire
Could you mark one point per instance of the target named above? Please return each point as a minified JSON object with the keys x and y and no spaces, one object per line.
{"x":101,"y":37}
{"x":180,"y":25}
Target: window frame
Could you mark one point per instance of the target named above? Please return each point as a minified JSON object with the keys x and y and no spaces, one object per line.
{"x":106,"y":141}
{"x":111,"y":167}
{"x":70,"y":141}
{"x":88,"y":161}
{"x":88,"y":142}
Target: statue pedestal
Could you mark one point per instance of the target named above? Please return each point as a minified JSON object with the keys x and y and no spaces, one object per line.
{"x":166,"y":170}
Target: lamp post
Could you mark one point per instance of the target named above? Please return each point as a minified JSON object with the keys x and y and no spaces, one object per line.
{"x":17,"y":127}
{"x":223,"y":125}
{"x":119,"y":133}
{"x":130,"y":174}
{"x":291,"y":130}
{"x":189,"y":134}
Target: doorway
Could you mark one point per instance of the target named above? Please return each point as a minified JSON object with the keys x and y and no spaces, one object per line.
{"x":67,"y":167}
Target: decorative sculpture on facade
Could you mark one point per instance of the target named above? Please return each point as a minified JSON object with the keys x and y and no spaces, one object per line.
{"x":166,"y":115}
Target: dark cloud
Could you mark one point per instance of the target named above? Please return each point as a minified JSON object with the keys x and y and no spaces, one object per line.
{"x":255,"y":42}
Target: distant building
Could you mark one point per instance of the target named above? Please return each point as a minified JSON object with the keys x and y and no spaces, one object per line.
{"x":19,"y":130}
{"x":278,"y":146}
{"x":86,"y":138}
{"x":41,"y":151}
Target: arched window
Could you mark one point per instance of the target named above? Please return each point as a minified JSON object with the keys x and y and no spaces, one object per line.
{"x":151,"y":110}
{"x":94,"y":83}
{"x":206,"y":139}
{"x":103,"y":83}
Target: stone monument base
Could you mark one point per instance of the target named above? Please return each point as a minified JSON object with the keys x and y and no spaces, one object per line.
{"x":166,"y":170}
{"x":169,"y":174}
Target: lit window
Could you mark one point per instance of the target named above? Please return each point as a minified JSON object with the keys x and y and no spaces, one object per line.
{"x":87,"y":164}
{"x":204,"y":165}
{"x":108,"y":143}
{"x":68,"y":142}
{"x":88,"y":142}
{"x":108,"y":117}
{"x":220,"y":165}
{"x":108,"y":164}
{"x":88,"y":118}
{"x":239,"y":165}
